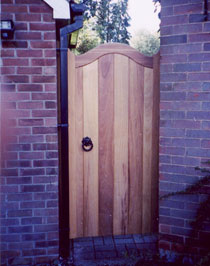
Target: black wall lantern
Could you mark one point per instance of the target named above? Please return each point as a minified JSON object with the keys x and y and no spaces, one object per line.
{"x":7,"y":29}
{"x":76,"y":11}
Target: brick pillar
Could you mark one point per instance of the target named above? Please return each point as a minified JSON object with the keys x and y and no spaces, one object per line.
{"x":185,"y":117}
{"x":29,"y":181}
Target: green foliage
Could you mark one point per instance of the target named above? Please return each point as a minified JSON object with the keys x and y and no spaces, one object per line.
{"x":88,"y":37}
{"x":104,"y":27}
{"x":121,"y":19}
{"x":201,"y":187}
{"x":91,"y":7}
{"x":196,"y":188}
{"x":146,"y":42}
{"x":86,"y":45}
{"x":112,"y":19}
{"x":204,"y":261}
{"x":157,"y":6}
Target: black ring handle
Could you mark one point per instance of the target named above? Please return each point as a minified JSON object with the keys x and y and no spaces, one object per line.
{"x":87,"y":144}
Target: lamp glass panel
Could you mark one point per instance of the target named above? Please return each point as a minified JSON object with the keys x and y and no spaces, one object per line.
{"x":74,"y":37}
{"x":6,"y":25}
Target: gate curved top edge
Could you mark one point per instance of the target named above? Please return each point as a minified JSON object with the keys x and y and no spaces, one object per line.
{"x":114,"y":48}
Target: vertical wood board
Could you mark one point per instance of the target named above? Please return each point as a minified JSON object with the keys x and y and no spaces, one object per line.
{"x":106,"y":131}
{"x":72,"y":148}
{"x":75,"y":94}
{"x":121,"y":85}
{"x":147,"y":149}
{"x":90,"y":100}
{"x":79,"y":153}
{"x":135,"y":142}
{"x":155,"y":142}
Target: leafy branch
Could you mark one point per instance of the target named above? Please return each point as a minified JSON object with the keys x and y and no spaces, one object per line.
{"x":201,"y":187}
{"x":196,"y":188}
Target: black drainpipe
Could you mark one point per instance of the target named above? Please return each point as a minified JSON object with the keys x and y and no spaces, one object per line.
{"x":64,"y":243}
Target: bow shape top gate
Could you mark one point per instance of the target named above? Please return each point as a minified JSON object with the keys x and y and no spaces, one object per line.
{"x":113,"y":141}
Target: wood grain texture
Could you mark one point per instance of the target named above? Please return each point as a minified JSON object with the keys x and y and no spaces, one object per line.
{"x":114,"y":48}
{"x":121,"y":84}
{"x":106,"y":131}
{"x":135,"y":140}
{"x":79,"y":152}
{"x":147,"y":149}
{"x":72,"y":148}
{"x":114,"y":100}
{"x":155,"y":142}
{"x":91,"y":197}
{"x":75,"y":94}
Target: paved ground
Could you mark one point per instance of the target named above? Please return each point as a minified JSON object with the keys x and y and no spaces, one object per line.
{"x":111,"y":250}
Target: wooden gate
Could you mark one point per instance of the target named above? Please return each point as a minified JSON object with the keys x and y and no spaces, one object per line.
{"x":114,"y":100}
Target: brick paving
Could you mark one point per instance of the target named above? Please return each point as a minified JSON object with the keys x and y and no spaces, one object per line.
{"x":111,"y":250}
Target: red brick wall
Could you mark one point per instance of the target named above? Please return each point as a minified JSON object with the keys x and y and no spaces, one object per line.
{"x":29,"y":182}
{"x":185,"y":117}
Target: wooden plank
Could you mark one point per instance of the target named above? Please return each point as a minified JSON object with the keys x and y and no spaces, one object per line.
{"x":72,"y":148}
{"x":155,"y":141}
{"x":147,"y":149}
{"x":121,"y":83}
{"x":114,"y":48}
{"x":90,"y":99}
{"x":75,"y":154}
{"x":106,"y":131}
{"x":79,"y":153}
{"x":136,"y":108}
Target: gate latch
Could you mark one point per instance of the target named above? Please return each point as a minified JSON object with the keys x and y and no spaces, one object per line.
{"x":87,"y":144}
